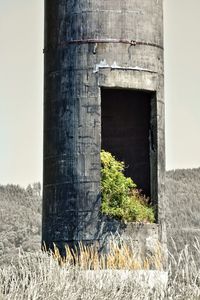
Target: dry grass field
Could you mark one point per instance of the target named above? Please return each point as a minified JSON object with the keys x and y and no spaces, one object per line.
{"x":42,"y":276}
{"x":27,"y":273}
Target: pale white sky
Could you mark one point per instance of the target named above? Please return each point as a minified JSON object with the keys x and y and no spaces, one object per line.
{"x":21,"y":87}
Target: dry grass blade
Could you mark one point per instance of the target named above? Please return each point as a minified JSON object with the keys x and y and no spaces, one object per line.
{"x":121,"y":256}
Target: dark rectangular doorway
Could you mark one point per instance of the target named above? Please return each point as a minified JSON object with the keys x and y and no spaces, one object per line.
{"x":129,"y":131}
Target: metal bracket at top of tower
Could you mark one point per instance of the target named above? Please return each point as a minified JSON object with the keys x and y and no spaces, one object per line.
{"x":106,"y":41}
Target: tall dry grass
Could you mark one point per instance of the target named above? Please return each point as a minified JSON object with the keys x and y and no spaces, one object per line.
{"x":39,"y":276}
{"x":121,"y":256}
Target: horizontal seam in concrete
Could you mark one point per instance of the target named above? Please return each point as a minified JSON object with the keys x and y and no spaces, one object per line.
{"x":108,"y":10}
{"x":72,"y":241}
{"x":72,"y":182}
{"x":76,"y":211}
{"x":57,"y":156}
{"x":63,"y":156}
{"x":132,"y":42}
{"x":137,"y":69}
{"x":63,"y":72}
{"x":112,"y":69}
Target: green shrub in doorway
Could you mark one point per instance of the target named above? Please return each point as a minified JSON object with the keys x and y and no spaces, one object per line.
{"x":120,"y":197}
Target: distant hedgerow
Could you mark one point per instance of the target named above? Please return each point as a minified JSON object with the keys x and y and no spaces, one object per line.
{"x":120,"y":197}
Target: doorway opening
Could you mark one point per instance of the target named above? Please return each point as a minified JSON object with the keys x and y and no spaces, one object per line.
{"x":129,"y":132}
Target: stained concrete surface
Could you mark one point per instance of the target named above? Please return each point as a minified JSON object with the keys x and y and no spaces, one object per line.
{"x":88,"y":46}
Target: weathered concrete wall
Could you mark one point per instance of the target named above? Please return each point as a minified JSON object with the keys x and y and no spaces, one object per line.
{"x":89,"y":45}
{"x":142,"y":238}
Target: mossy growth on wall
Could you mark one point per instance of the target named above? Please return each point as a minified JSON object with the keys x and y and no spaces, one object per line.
{"x":120,"y":197}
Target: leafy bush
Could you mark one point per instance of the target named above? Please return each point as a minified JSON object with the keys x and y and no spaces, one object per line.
{"x":120,"y":197}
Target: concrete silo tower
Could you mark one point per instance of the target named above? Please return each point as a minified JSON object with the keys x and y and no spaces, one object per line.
{"x":103,"y":88}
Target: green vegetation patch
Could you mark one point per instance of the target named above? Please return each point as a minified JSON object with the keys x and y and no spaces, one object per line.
{"x":120,"y":197}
